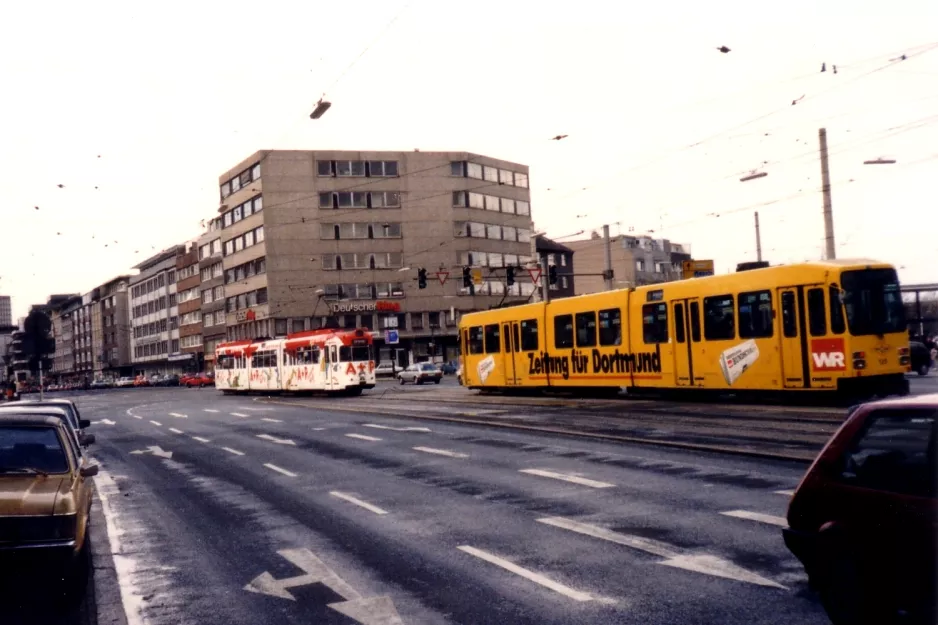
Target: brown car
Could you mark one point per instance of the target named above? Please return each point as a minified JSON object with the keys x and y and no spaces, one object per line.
{"x":45,"y":489}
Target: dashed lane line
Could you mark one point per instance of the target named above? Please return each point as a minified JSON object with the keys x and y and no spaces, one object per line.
{"x":274,"y":467}
{"x":786,"y":493}
{"x":200,"y":439}
{"x":233,"y":451}
{"x":209,"y":410}
{"x":441,"y":452}
{"x":178,"y":415}
{"x":175,"y":431}
{"x":573,"y":479}
{"x":757,"y":516}
{"x":239,"y":414}
{"x":537,"y":578}
{"x":269,"y":420}
{"x":157,"y":423}
{"x":363,"y":437}
{"x":136,"y":416}
{"x":358,"y":502}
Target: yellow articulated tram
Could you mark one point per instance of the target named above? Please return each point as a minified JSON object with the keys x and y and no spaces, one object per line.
{"x":821,"y":327}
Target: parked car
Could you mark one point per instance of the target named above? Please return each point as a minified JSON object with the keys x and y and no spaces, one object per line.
{"x":141,"y":380}
{"x":385,"y":369}
{"x":420,"y":373}
{"x":921,"y":358}
{"x":45,"y":494}
{"x":448,"y":368}
{"x":125,"y":382}
{"x":58,"y":408}
{"x":864,"y":519}
{"x":168,"y":380}
{"x":200,"y":380}
{"x":99,"y":384}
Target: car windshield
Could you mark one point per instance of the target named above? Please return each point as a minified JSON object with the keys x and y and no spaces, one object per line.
{"x":31,"y":450}
{"x":873,"y":302}
{"x":429,"y":367}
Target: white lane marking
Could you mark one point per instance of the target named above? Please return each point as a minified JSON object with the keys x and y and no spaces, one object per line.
{"x":178,"y":415}
{"x":175,"y":431}
{"x":269,"y":420}
{"x":136,"y":416}
{"x":363,"y":437}
{"x":209,"y":410}
{"x":786,"y":493}
{"x":233,"y":451}
{"x":124,"y":566}
{"x":239,"y":414}
{"x":699,"y":563}
{"x":358,"y":502}
{"x":441,"y":452}
{"x":573,"y":479}
{"x":274,"y":467}
{"x":274,"y":439}
{"x":156,"y":423}
{"x":257,"y":409}
{"x":200,"y":439}
{"x":537,"y":578}
{"x":319,"y":429}
{"x":388,"y":427}
{"x":757,"y":516}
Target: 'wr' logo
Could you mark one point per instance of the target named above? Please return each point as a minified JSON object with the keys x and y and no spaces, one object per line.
{"x":828,"y":354}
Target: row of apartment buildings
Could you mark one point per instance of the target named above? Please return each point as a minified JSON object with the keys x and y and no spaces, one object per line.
{"x":310,"y":239}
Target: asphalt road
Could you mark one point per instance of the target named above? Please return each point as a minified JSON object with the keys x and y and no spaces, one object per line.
{"x":266,"y":513}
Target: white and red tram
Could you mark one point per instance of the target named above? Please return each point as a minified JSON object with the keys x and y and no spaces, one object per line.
{"x":332,"y":361}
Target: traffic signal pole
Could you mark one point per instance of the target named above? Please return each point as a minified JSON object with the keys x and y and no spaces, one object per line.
{"x":545,"y":280}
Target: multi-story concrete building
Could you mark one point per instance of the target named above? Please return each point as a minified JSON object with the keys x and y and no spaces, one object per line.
{"x":560,"y":257}
{"x":636,"y":260}
{"x":63,"y":329}
{"x":6,"y":312}
{"x":111,"y":322}
{"x":154,"y":315}
{"x":82,"y":343}
{"x":338,"y":238}
{"x":212,"y":275}
{"x":189,"y":301}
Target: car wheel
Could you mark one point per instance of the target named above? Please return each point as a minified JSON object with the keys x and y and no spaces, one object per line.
{"x":437,"y":381}
{"x":923,"y":370}
{"x":402,"y":381}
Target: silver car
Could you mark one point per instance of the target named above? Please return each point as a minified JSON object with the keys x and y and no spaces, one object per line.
{"x":420,"y":373}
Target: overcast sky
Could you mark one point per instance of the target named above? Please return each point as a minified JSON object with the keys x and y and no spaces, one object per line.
{"x":136,"y":108}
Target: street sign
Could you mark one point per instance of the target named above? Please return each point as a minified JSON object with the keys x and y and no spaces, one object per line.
{"x":535,"y":273}
{"x":477,"y":277}
{"x":697,"y":268}
{"x":391,"y":337}
{"x":442,"y":276}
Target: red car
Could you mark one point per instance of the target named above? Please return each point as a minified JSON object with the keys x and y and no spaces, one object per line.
{"x":864,"y":519}
{"x":197,"y":379}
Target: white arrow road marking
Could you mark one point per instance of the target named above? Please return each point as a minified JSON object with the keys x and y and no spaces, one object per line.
{"x":157,"y":423}
{"x":358,"y":502}
{"x":104,"y":421}
{"x":757,"y":516}
{"x":582,"y":481}
{"x":239,"y":414}
{"x":179,"y":415}
{"x":702,"y":563}
{"x":200,"y":439}
{"x":209,"y":410}
{"x":441,"y":452}
{"x":233,"y":451}
{"x":155,"y":450}
{"x":363,"y":437}
{"x":366,"y":610}
{"x":537,"y":578}
{"x":787,"y":493}
{"x":274,"y":467}
{"x":175,"y":431}
{"x":274,"y":439}
{"x":388,"y":427}
{"x":268,"y":420}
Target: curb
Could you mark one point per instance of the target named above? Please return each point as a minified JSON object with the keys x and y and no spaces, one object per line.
{"x":109,"y":607}
{"x":576,"y":434}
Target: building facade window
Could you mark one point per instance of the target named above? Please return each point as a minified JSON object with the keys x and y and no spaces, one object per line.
{"x":240,"y":181}
{"x":244,"y":241}
{"x":342,"y":169}
{"x":364,"y":230}
{"x":492,"y":203}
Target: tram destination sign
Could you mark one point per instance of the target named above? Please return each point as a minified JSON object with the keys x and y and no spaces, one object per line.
{"x":365,"y":307}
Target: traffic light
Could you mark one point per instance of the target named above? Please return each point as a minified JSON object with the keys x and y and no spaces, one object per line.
{"x":510,"y":275}
{"x":552,"y":274}
{"x":421,"y":278}
{"x":467,"y":277}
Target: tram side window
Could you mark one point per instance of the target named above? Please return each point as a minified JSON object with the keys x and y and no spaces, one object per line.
{"x":492,"y":343}
{"x":264,"y":359}
{"x":655,"y":323}
{"x":610,"y":327}
{"x":817,"y":315}
{"x":475,"y":340}
{"x":586,"y":329}
{"x":838,"y":325}
{"x":529,"y":335}
{"x":695,"y":322}
{"x":307,"y":356}
{"x":563,"y":331}
{"x":789,"y":315}
{"x":755,"y":315}
{"x":679,"y":332}
{"x":719,"y":322}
